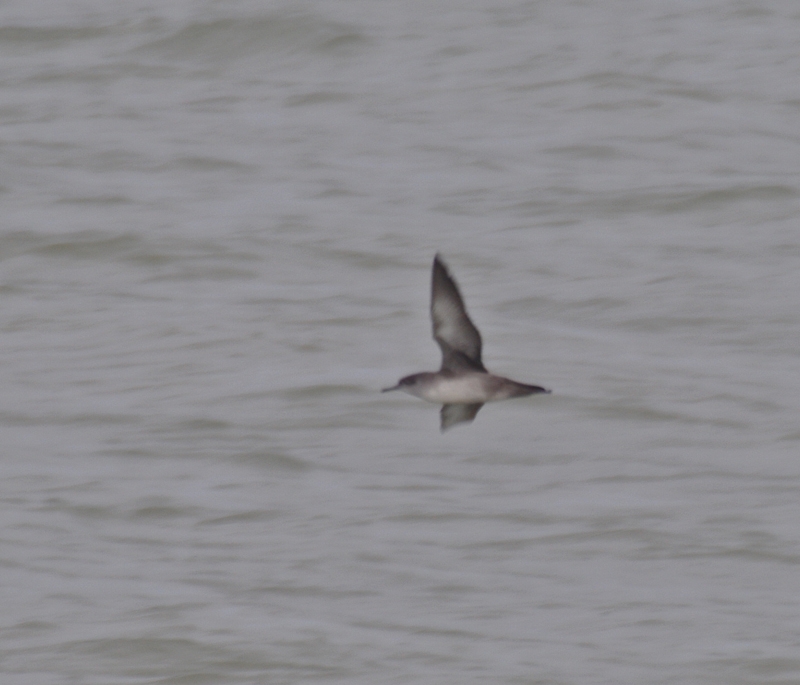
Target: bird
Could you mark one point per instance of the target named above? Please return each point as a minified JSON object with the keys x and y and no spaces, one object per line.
{"x":462,"y":385}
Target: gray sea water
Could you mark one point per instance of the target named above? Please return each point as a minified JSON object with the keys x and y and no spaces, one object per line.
{"x":218,"y":220}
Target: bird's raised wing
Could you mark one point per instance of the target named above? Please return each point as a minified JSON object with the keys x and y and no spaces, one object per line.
{"x":452,"y":329}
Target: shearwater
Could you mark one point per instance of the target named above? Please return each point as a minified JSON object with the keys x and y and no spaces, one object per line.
{"x":463,"y":385}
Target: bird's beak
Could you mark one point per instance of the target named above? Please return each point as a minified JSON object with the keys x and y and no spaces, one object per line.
{"x":395,"y":387}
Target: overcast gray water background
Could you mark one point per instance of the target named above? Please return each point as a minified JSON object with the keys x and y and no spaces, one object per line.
{"x":218,"y":220}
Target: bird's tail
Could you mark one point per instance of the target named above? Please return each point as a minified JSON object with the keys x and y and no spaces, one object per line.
{"x":523,"y":389}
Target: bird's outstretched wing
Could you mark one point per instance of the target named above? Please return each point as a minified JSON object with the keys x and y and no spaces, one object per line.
{"x":458,"y":413}
{"x":452,"y":329}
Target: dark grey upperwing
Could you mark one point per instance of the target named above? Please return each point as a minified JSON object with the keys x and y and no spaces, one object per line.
{"x":452,"y":328}
{"x":458,"y":413}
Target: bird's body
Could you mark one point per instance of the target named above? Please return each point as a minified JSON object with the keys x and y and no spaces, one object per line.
{"x":466,"y":387}
{"x":463,"y":384}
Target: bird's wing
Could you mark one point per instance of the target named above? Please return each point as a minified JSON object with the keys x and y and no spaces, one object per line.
{"x":452,"y":329}
{"x":453,"y":414}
